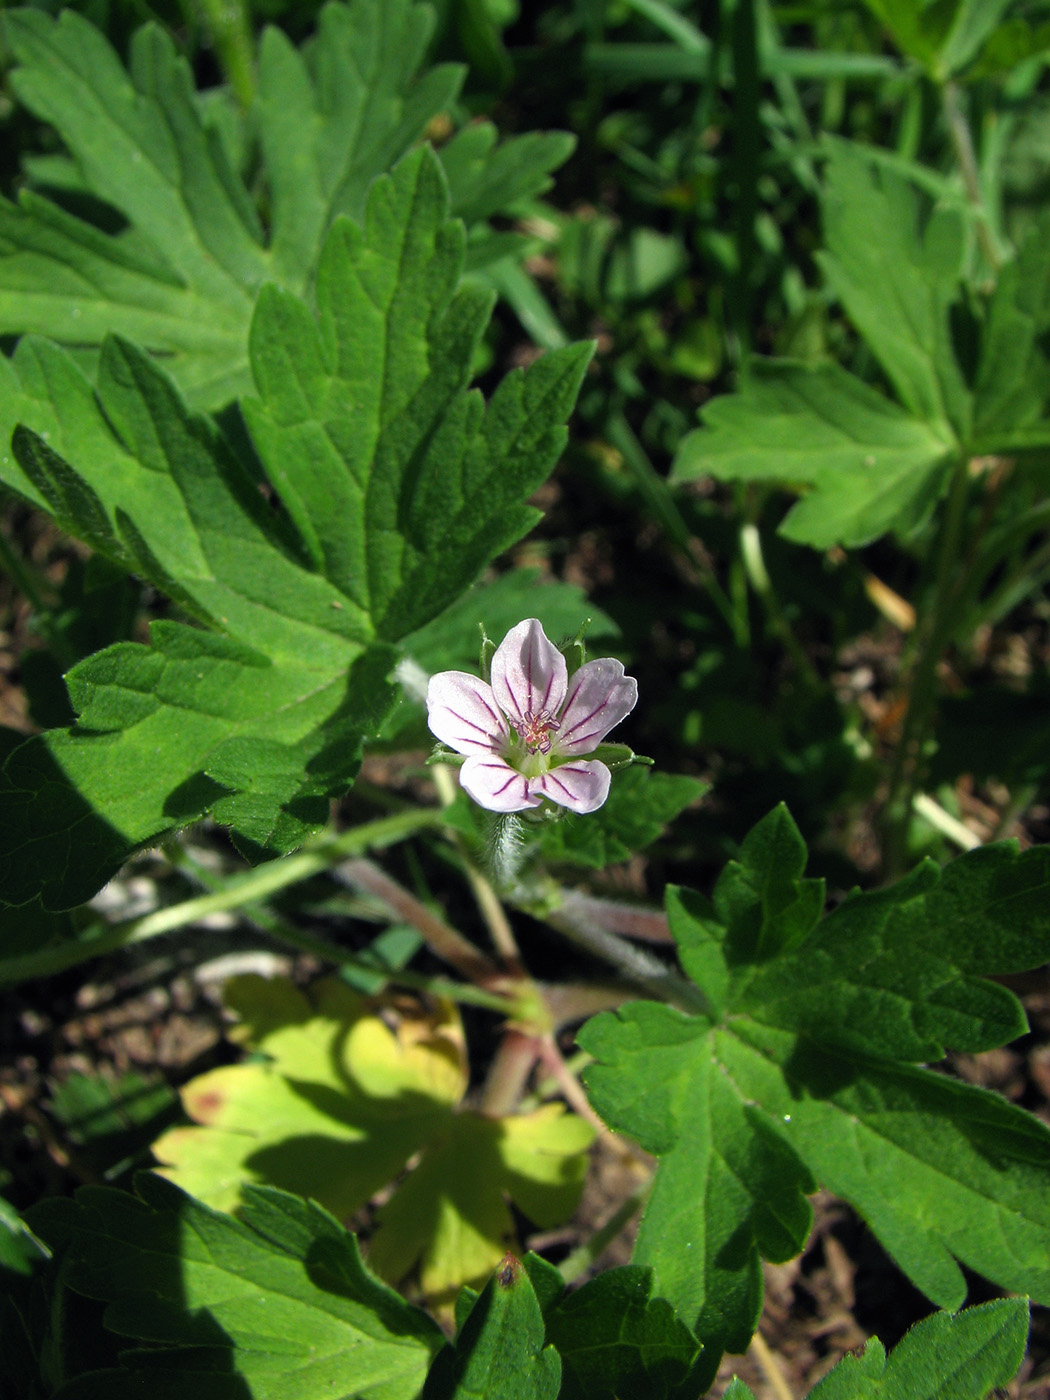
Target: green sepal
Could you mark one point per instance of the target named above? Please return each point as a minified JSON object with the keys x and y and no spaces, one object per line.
{"x":443,"y":755}
{"x":619,"y":756}
{"x":485,"y":655}
{"x":574,"y":649}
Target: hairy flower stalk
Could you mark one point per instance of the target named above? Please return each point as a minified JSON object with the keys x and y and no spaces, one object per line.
{"x":526,"y":736}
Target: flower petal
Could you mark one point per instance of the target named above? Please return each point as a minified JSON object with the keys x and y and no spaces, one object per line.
{"x":582,"y":786}
{"x":600,"y":695}
{"x":496,"y":785}
{"x":462,"y":713}
{"x":529,"y":674}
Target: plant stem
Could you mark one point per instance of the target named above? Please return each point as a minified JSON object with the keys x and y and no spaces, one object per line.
{"x":962,"y":142}
{"x":636,"y":965}
{"x":906,"y":773}
{"x":230,"y":31}
{"x":492,"y":911}
{"x":944,"y":822}
{"x":442,"y":938}
{"x":509,"y":1072}
{"x":634,"y":920}
{"x":240,"y":890}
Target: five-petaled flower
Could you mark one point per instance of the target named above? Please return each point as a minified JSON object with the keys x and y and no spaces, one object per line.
{"x":526,"y":735}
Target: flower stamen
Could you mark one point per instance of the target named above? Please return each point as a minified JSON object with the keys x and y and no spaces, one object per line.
{"x":535,"y":730}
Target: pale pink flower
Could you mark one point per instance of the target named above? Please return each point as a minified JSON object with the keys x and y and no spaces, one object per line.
{"x":526,"y":735}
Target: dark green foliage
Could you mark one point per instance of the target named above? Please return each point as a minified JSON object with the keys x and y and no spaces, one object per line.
{"x":801,"y":1075}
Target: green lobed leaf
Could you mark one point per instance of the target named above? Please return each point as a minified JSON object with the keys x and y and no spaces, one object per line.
{"x":960,"y":1356}
{"x":944,"y":1357}
{"x":896,"y":264}
{"x":500,"y":1347}
{"x":398,"y":488}
{"x":184,"y":284}
{"x":729,"y":1189}
{"x":869,"y":466}
{"x":800,"y":1075}
{"x":182,"y":278}
{"x":614,"y":1338}
{"x":485,"y":178}
{"x":864,"y":464}
{"x":278,"y":1299}
{"x":401,"y":483}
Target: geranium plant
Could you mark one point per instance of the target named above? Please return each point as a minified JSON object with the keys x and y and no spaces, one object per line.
{"x":293,"y":365}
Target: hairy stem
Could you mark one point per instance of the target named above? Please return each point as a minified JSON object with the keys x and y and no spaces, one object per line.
{"x":639,"y":967}
{"x":962,"y":143}
{"x":634,"y":920}
{"x":441,"y":938}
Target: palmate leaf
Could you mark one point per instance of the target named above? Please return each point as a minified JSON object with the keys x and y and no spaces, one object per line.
{"x":339,"y":1107}
{"x":805,"y":1073}
{"x":182,"y":278}
{"x":869,"y":467}
{"x":863,"y":464}
{"x":896,"y":264}
{"x":276,"y":1304}
{"x":333,"y":1112}
{"x":397,"y":483}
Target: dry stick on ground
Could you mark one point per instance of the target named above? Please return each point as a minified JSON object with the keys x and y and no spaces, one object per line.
{"x":766,"y":1358}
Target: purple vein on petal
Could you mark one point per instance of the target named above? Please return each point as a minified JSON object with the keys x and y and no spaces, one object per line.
{"x":596,"y":735}
{"x":528,"y":677}
{"x":499,"y":791}
{"x":558,"y":783}
{"x":586,"y":720}
{"x":547,"y":692}
{"x":487,"y":743}
{"x":469,"y":722}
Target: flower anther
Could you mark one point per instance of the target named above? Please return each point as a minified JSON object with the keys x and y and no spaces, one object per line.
{"x":526,"y":736}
